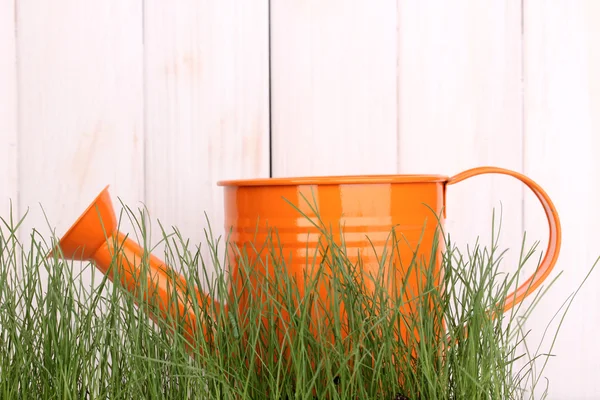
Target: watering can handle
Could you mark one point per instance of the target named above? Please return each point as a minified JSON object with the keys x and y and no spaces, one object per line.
{"x":554,"y":241}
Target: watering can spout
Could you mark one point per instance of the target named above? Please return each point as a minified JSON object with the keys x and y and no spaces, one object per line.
{"x":91,"y":230}
{"x":95,"y":237}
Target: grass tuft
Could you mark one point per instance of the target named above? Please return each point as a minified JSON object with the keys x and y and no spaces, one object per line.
{"x":64,"y":336}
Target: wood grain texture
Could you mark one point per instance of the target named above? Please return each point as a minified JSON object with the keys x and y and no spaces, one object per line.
{"x":8,"y":111}
{"x":562,"y":110}
{"x":460,"y":106}
{"x":81,"y":107}
{"x":207,"y":115}
{"x":333,"y":69}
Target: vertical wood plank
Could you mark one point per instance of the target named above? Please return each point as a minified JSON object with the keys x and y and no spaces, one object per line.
{"x":8,"y":111}
{"x":460,"y":106}
{"x":562,"y":132}
{"x":333,"y":66}
{"x":207,"y":97}
{"x":81,"y":107}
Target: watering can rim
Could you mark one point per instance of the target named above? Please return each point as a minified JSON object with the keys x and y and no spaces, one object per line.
{"x":336,"y":180}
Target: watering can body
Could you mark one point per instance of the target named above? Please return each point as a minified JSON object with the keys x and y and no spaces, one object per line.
{"x":360,"y":211}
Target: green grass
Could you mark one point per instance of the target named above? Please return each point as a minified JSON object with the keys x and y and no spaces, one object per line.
{"x":64,"y":338}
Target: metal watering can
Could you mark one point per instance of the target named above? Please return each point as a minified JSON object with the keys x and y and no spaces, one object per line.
{"x":365,"y":208}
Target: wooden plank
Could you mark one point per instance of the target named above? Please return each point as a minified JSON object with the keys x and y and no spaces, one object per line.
{"x":460,"y":106}
{"x":207,"y":115}
{"x":333,"y":66}
{"x":81,"y":107}
{"x":8,"y":111}
{"x":562,"y":110}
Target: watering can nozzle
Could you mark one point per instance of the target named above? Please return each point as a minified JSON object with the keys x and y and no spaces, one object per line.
{"x":90,"y":231}
{"x":94,"y":237}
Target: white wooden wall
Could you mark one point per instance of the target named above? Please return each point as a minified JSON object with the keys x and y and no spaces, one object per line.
{"x":162,"y":99}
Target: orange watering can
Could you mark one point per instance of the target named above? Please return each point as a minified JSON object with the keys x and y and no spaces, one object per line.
{"x":365,"y":209}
